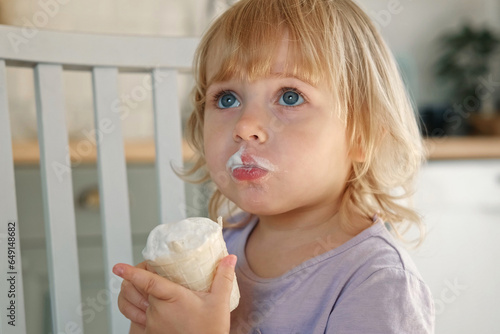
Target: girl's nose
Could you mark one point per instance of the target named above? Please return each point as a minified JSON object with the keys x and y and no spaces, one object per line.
{"x":251,"y":126}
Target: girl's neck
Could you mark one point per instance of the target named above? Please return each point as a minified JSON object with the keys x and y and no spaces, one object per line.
{"x":306,"y":226}
{"x":279,"y":243}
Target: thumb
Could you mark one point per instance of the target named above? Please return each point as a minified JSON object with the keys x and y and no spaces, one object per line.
{"x":223,"y":280}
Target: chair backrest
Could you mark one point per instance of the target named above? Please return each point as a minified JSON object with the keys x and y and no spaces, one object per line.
{"x":49,"y":53}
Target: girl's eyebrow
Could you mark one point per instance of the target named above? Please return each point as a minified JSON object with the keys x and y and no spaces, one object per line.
{"x":216,"y":84}
{"x":273,"y":75}
{"x":285,"y":75}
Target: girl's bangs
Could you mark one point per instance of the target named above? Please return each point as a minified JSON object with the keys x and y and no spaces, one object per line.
{"x":245,"y":43}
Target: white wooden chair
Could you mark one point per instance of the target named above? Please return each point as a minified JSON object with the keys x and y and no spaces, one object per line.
{"x":49,"y":53}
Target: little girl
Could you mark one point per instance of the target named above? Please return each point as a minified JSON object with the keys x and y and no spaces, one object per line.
{"x":302,"y":122}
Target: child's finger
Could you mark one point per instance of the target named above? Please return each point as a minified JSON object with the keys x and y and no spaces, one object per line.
{"x":149,"y":268}
{"x":149,"y":283}
{"x":142,"y":265}
{"x":134,"y":296}
{"x":223,"y":280}
{"x":132,"y":312}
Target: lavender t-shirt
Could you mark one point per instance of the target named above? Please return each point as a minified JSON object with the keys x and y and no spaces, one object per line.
{"x":368,"y":285}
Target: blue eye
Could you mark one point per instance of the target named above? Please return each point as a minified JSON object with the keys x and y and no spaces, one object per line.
{"x":291,"y":98}
{"x":228,"y":100}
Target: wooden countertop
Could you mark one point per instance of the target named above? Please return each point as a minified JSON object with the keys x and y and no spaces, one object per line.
{"x":445,"y":148}
{"x":27,"y":152}
{"x":458,"y":148}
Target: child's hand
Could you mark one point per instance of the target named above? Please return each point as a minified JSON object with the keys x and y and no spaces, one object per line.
{"x":133,"y":303}
{"x":175,"y":309}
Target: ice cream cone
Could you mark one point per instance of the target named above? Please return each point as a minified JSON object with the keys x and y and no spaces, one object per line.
{"x":188,"y":252}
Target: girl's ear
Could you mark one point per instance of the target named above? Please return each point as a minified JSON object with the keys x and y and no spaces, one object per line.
{"x":357,"y":152}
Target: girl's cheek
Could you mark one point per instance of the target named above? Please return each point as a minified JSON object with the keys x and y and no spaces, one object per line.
{"x":210,"y":132}
{"x":214,"y":124}
{"x":218,"y":173}
{"x":213,"y":156}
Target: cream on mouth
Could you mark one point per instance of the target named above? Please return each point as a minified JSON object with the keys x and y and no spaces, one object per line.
{"x":242,"y":160}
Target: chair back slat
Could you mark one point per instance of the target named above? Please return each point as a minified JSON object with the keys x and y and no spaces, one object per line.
{"x":11,"y":285}
{"x":168,"y":142}
{"x":84,"y":51}
{"x":50,"y":53}
{"x":113,"y":188}
{"x":57,"y":193}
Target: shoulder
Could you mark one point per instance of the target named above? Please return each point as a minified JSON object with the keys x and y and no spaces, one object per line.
{"x":390,"y":300}
{"x":377,"y":259}
{"x":385,"y":292}
{"x":375,"y":249}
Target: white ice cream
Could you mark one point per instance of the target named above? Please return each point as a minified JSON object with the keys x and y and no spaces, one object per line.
{"x":188,"y":253}
{"x":167,"y":240}
{"x":235,"y":161}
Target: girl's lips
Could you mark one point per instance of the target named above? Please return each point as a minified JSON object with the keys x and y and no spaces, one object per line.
{"x":248,"y":173}
{"x":245,"y":167}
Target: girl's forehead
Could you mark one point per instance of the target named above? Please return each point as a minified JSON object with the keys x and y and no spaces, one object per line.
{"x":281,"y":59}
{"x":243,"y":64}
{"x":247,"y":39}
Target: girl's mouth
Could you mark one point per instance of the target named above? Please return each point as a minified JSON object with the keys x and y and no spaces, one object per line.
{"x":245,"y":167}
{"x":248,"y":173}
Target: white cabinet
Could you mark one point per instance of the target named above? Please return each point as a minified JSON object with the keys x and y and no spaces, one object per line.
{"x":460,"y":204}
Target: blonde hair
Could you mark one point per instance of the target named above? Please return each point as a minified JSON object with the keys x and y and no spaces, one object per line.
{"x":332,"y":40}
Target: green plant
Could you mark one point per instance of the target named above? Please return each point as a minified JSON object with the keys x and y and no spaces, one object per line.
{"x":466,"y":57}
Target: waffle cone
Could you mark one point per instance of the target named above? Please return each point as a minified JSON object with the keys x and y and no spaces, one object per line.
{"x":195,"y":269}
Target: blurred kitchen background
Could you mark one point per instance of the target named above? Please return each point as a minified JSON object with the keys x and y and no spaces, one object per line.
{"x":449,"y":55}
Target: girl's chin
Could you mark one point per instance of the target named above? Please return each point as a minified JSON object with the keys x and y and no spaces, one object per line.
{"x":253,"y":207}
{"x":259,"y":208}
{"x":256,"y":199}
